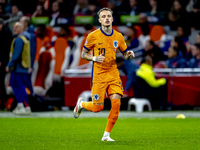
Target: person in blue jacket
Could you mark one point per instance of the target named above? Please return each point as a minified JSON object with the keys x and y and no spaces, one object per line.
{"x":129,"y":68}
{"x":18,"y":65}
{"x":194,"y":62}
{"x":131,"y":39}
{"x":29,"y":32}
{"x":175,"y":58}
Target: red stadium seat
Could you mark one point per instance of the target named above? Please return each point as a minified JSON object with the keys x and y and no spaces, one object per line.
{"x":156,"y":33}
{"x":44,"y":78}
{"x":62,"y":55}
{"x":40,"y":43}
{"x":138,"y":30}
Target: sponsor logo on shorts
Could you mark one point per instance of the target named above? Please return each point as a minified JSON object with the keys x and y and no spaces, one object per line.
{"x":96,"y":97}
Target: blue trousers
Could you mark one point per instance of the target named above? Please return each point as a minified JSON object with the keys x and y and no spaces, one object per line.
{"x":19,"y":82}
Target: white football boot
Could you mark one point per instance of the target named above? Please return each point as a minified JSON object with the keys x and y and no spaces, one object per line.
{"x":78,"y":109}
{"x":19,"y":110}
{"x":107,"y":138}
{"x":28,"y":110}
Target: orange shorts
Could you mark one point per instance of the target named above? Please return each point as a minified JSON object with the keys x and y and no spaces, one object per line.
{"x":99,"y":90}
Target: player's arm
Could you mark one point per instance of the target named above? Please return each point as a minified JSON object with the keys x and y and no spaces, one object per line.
{"x":128,"y":55}
{"x":85,"y":55}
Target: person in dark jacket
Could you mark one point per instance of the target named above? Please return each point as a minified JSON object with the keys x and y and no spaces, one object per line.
{"x":153,"y":51}
{"x":18,"y":65}
{"x":29,"y":31}
{"x":147,"y":86}
{"x":175,"y":58}
{"x":5,"y":41}
{"x":194,"y":62}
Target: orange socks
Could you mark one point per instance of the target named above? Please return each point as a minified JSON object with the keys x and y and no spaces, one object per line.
{"x":92,"y":107}
{"x":113,"y":115}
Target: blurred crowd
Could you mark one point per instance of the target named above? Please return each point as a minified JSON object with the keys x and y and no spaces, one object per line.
{"x":59,"y":42}
{"x":171,"y":12}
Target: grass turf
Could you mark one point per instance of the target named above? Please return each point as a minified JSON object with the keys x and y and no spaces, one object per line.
{"x":86,"y":133}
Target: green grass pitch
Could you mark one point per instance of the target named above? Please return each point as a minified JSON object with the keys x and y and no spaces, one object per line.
{"x":86,"y":133}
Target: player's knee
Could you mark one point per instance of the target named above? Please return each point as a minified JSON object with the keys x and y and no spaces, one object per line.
{"x":98,"y":108}
{"x":116,"y":104}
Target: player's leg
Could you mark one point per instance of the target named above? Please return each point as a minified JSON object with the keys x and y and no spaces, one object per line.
{"x":16,"y":82}
{"x":28,"y":91}
{"x":115,"y":91}
{"x":97,"y":104}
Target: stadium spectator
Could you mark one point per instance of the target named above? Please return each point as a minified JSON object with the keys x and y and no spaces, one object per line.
{"x":15,"y":16}
{"x":144,"y":24}
{"x":29,"y":32}
{"x":175,"y":58}
{"x":40,"y":11}
{"x":6,"y":6}
{"x":177,"y":14}
{"x":65,"y":32}
{"x":134,"y":9}
{"x":154,"y":7}
{"x":19,"y":65}
{"x":16,"y":12}
{"x":191,"y":5}
{"x":92,"y":8}
{"x":130,"y":37}
{"x":129,"y":68}
{"x":3,"y":13}
{"x":194,"y":62}
{"x":195,"y":24}
{"x":81,"y":7}
{"x":178,"y":42}
{"x":42,"y":38}
{"x":183,"y":31}
{"x":123,"y":7}
{"x":5,"y":41}
{"x":55,"y":13}
{"x":147,"y":86}
{"x":153,"y":51}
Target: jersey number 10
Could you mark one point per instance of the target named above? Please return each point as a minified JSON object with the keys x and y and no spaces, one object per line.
{"x":102,"y":51}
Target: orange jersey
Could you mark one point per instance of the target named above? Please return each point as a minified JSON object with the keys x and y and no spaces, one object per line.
{"x":101,"y":43}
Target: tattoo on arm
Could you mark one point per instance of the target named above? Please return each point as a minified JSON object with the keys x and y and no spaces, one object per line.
{"x":86,"y":56}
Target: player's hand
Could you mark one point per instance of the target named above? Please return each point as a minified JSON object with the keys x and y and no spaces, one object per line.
{"x":100,"y":58}
{"x":7,"y":69}
{"x":130,"y":53}
{"x":30,"y":70}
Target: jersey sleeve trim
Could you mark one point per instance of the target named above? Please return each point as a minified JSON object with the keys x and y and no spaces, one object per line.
{"x":86,"y":48}
{"x":124,"y":51}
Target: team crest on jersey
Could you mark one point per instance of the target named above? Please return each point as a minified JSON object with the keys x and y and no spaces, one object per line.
{"x":115,"y":44}
{"x":86,"y":42}
{"x":96,"y":97}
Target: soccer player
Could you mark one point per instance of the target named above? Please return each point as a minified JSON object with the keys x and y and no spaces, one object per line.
{"x":104,"y":42}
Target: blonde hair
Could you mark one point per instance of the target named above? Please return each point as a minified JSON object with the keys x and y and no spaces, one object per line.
{"x":102,"y":9}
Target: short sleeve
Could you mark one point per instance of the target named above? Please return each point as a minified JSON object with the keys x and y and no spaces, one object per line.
{"x":122,"y":45}
{"x":89,"y":43}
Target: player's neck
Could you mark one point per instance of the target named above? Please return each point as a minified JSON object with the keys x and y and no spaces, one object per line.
{"x":107,"y":30}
